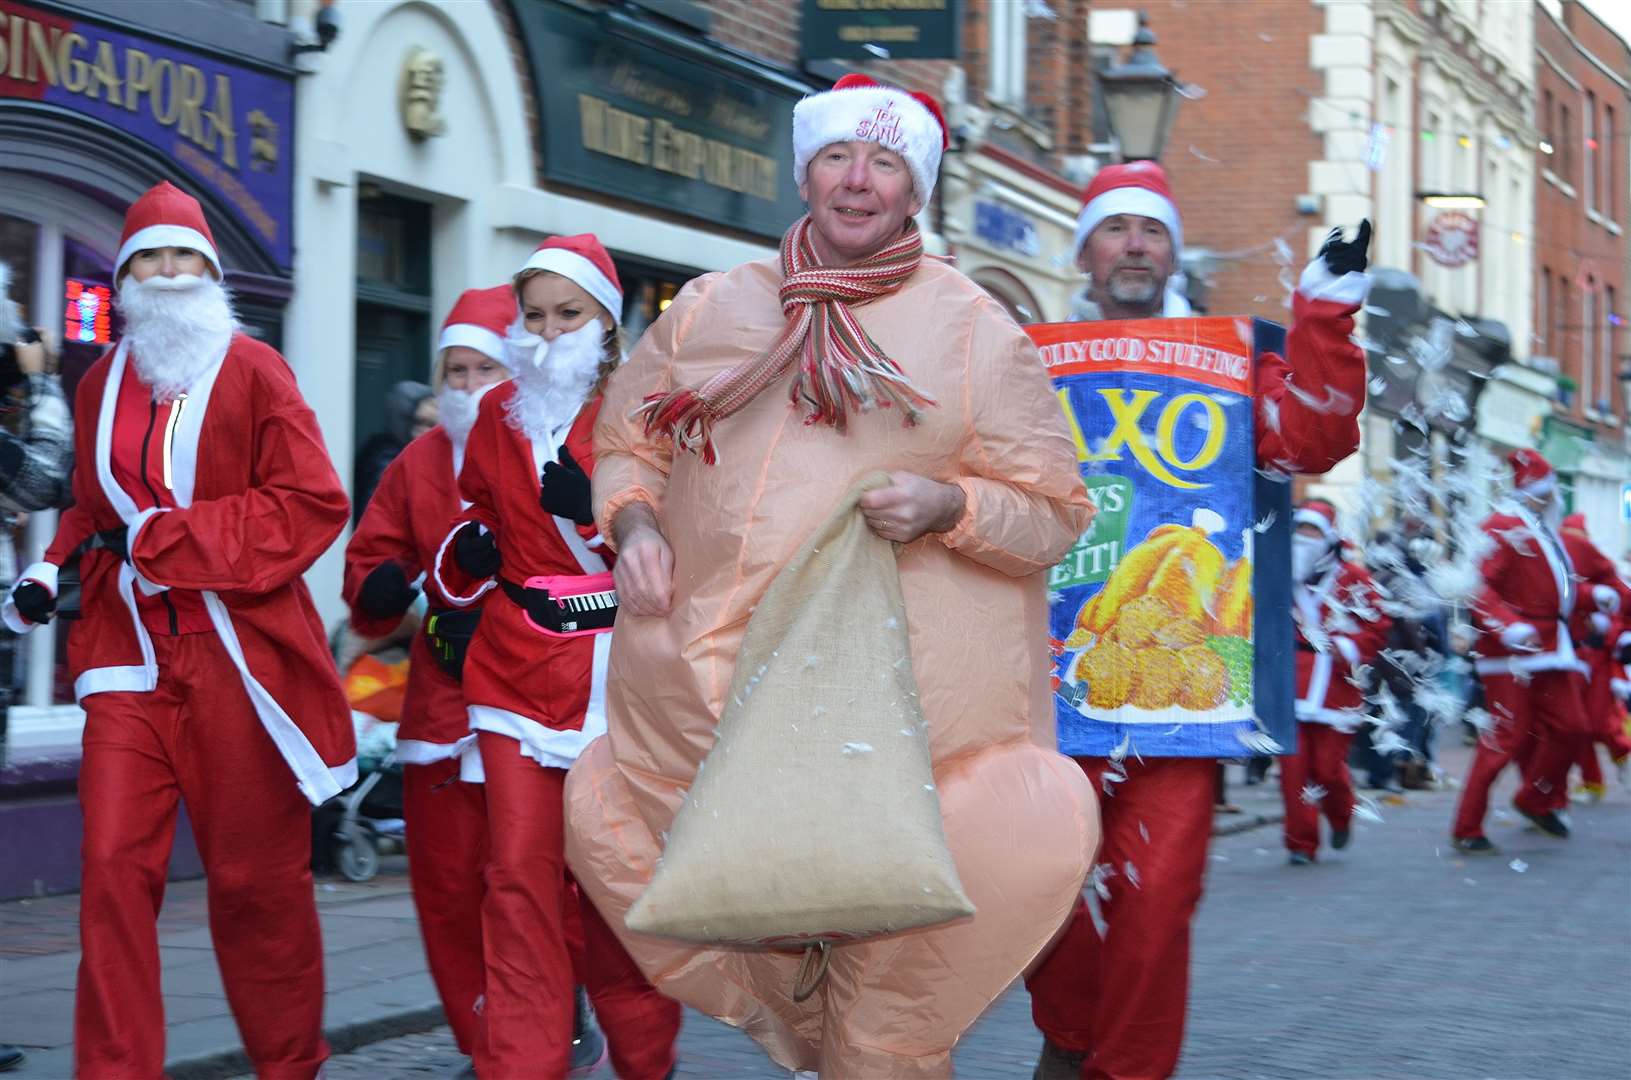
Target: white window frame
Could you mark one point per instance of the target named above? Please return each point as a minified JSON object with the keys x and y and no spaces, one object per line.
{"x":60,"y":213}
{"x":1006,"y":53}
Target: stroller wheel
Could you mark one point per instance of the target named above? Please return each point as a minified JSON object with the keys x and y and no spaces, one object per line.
{"x":358,"y":859}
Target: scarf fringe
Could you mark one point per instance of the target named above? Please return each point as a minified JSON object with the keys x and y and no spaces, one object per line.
{"x":839,"y":367}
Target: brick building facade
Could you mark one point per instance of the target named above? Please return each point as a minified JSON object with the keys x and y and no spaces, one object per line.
{"x":1582,"y":256}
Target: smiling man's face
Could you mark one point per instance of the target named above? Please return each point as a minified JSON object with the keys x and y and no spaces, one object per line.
{"x":860,"y":196}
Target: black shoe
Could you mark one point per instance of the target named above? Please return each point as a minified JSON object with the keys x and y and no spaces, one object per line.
{"x":1298,"y":858}
{"x":1340,"y":838}
{"x":1549,"y":822}
{"x":1474,"y":845}
{"x":10,"y":1057}
{"x":1057,"y":1063}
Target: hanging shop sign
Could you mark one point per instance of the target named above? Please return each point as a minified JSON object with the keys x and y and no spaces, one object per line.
{"x":1452,"y":239}
{"x":881,"y":29}
{"x":633,"y":111}
{"x":231,"y":127}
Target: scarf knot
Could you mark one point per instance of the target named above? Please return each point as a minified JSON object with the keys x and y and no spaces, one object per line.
{"x":838,"y":365}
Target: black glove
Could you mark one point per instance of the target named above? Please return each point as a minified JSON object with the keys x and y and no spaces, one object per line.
{"x":563,"y":490}
{"x":386,"y":593}
{"x":476,"y":551}
{"x":114,"y":540}
{"x":1347,"y":256}
{"x":34,"y":602}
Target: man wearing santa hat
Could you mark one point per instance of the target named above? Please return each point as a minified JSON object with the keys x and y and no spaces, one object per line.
{"x":203,"y":493}
{"x":394,"y":544}
{"x":1113,"y":1005}
{"x":534,"y":680}
{"x":1534,"y":680}
{"x":740,"y":425}
{"x":1340,"y":629}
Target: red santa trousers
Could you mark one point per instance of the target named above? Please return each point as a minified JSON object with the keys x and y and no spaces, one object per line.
{"x":1121,"y":998}
{"x":1540,"y":725}
{"x":1322,"y":760}
{"x":195,"y":738}
{"x":446,"y":822}
{"x":529,"y":968}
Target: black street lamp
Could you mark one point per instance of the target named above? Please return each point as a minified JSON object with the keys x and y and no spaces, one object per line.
{"x":1140,"y":98}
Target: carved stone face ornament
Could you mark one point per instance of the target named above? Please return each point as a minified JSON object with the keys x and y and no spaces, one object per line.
{"x":421,"y":94}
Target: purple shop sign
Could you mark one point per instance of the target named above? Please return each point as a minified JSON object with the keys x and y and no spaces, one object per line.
{"x":228,"y":126}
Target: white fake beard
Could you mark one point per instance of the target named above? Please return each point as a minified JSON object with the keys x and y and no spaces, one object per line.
{"x":1311,"y":556}
{"x":456,"y":410}
{"x":553,"y":379}
{"x":177,"y":327}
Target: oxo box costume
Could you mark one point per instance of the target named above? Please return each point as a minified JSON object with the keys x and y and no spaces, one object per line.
{"x":1153,"y":619}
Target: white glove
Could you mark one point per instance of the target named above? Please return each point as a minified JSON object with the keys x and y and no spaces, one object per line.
{"x":1521,"y":637}
{"x":1607,"y":599}
{"x":1600,"y":622}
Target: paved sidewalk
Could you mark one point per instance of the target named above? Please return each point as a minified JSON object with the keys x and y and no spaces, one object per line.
{"x":1397,"y":958}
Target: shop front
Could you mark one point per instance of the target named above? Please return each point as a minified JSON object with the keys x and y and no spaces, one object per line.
{"x":98,"y":102}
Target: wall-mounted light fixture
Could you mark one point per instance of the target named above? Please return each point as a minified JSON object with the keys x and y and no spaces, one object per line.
{"x":1451,"y":200}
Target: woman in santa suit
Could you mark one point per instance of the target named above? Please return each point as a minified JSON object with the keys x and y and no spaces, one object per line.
{"x":534,"y":677}
{"x":395,"y":541}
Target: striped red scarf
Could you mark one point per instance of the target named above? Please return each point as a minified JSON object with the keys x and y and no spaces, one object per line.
{"x":839,"y":366}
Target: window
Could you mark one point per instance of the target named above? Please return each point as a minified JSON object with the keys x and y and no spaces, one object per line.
{"x":1588,"y":160}
{"x":1605,"y":366}
{"x":1564,"y":146}
{"x":1611,"y":166}
{"x":1546,"y":131}
{"x":1543,"y":311}
{"x":1588,"y":348}
{"x":1005,"y":83}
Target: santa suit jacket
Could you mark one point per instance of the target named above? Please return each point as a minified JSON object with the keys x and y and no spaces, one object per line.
{"x":548,"y":693}
{"x":406,"y":521}
{"x":1340,"y":628}
{"x":257,"y":501}
{"x":1308,"y":401}
{"x":1530,"y":578}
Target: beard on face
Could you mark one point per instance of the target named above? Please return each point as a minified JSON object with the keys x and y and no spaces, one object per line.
{"x":1134,"y":291}
{"x":554,"y":379}
{"x":456,"y":410}
{"x":177,"y":328}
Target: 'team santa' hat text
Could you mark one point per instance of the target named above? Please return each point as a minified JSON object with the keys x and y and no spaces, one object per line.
{"x":1531,"y":473}
{"x":859,"y":109}
{"x":1138,"y":187}
{"x":582,"y":260}
{"x":479,"y":320}
{"x":165,"y":216}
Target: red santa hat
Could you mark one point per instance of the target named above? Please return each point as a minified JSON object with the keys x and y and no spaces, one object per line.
{"x":165,"y":216}
{"x":581,"y":259}
{"x":479,"y":320}
{"x":861,"y":109}
{"x":1319,"y":513}
{"x":1531,"y":473}
{"x":1138,"y":187}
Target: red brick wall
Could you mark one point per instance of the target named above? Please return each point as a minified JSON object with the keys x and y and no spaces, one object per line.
{"x":1564,"y":236}
{"x":1239,"y":157}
